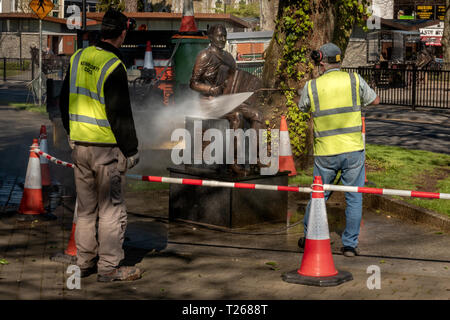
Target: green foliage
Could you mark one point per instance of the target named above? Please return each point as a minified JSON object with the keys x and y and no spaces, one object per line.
{"x":104,"y":5}
{"x":141,"y":5}
{"x":291,"y":34}
{"x":242,"y":10}
{"x":348,"y":13}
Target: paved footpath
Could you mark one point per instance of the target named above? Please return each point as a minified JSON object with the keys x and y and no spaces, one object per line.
{"x":185,"y":261}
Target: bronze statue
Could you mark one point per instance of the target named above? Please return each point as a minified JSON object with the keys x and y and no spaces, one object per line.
{"x":215,"y":73}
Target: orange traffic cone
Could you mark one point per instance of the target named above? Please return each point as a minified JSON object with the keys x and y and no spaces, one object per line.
{"x":32,"y":203}
{"x":317,"y":267}
{"x":71,"y":246}
{"x":188,"y":21}
{"x":70,"y":254}
{"x":149,"y":67}
{"x":45,"y":172}
{"x":286,"y":161}
{"x":148,"y":58}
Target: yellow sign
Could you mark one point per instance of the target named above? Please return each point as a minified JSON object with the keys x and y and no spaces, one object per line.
{"x":425,"y":12}
{"x":440,"y":12}
{"x":41,"y":7}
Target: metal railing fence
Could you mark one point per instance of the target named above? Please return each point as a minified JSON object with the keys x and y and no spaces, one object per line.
{"x":25,"y":70}
{"x":408,"y":87}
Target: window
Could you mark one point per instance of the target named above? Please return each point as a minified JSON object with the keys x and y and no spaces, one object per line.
{"x":25,"y":25}
{"x":13,"y":25}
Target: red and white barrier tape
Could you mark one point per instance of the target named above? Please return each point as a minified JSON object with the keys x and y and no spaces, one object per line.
{"x":213,"y":183}
{"x":388,"y":192}
{"x":238,"y":185}
{"x":326,"y":187}
{"x":53,"y":159}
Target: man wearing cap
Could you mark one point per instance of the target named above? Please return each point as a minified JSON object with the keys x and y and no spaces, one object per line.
{"x":96,"y":113}
{"x":335,"y":100}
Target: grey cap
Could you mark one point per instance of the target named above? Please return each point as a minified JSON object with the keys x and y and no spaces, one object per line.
{"x":331,"y":53}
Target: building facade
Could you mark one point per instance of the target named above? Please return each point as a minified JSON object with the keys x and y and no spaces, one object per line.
{"x":19,"y":33}
{"x":419,"y":9}
{"x":406,"y":27}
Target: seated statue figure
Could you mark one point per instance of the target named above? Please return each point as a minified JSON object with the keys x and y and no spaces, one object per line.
{"x":215,"y":74}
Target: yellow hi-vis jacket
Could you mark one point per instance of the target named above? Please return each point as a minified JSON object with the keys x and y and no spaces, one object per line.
{"x":89,"y":69}
{"x":336,"y":110}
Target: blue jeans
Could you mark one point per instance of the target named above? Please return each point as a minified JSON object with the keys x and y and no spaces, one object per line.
{"x":352,"y":169}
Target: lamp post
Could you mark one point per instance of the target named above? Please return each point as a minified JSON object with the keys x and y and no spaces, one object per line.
{"x":84,"y":15}
{"x":40,"y":62}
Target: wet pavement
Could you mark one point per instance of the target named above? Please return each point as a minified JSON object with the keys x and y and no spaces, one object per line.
{"x":190,"y":261}
{"x":424,"y":128}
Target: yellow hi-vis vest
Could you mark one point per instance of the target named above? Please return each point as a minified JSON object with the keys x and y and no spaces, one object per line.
{"x":336,"y":110}
{"x":89,"y":69}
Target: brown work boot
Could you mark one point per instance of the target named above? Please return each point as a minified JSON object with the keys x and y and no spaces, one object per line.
{"x":121,"y":274}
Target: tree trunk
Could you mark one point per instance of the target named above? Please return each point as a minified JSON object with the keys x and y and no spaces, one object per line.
{"x":446,"y":37}
{"x":322,"y":15}
{"x":131,"y":6}
{"x":268,"y":10}
{"x":329,"y":25}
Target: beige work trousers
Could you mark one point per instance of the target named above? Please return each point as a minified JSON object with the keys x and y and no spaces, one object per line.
{"x":99,"y":179}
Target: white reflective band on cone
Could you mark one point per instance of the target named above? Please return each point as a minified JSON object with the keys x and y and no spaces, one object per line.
{"x":75,"y":212}
{"x":33,"y":177}
{"x":285,"y":144}
{"x":148,"y":60}
{"x":317,"y":222}
{"x":43,"y":147}
{"x":188,"y":8}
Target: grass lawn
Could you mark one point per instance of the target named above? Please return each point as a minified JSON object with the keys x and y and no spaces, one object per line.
{"x":399,"y":168}
{"x":135,"y":185}
{"x":29,"y":107}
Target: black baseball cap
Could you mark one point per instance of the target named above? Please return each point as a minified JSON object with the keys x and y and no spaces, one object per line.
{"x":114,"y":20}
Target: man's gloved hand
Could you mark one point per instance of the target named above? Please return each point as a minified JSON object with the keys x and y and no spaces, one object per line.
{"x":71,"y":143}
{"x":132,"y":161}
{"x":215,"y":91}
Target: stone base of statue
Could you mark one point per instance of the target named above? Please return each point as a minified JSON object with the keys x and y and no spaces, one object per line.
{"x":226,"y":207}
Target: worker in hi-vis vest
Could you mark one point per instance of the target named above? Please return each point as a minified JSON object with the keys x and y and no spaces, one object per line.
{"x":334,"y":101}
{"x":96,"y":113}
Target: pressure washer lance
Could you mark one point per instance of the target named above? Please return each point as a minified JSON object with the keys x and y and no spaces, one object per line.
{"x":275,"y":89}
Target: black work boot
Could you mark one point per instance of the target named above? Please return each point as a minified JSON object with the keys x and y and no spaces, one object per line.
{"x":301,"y":242}
{"x":87,"y":272}
{"x":121,"y":274}
{"x":350,"y":251}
